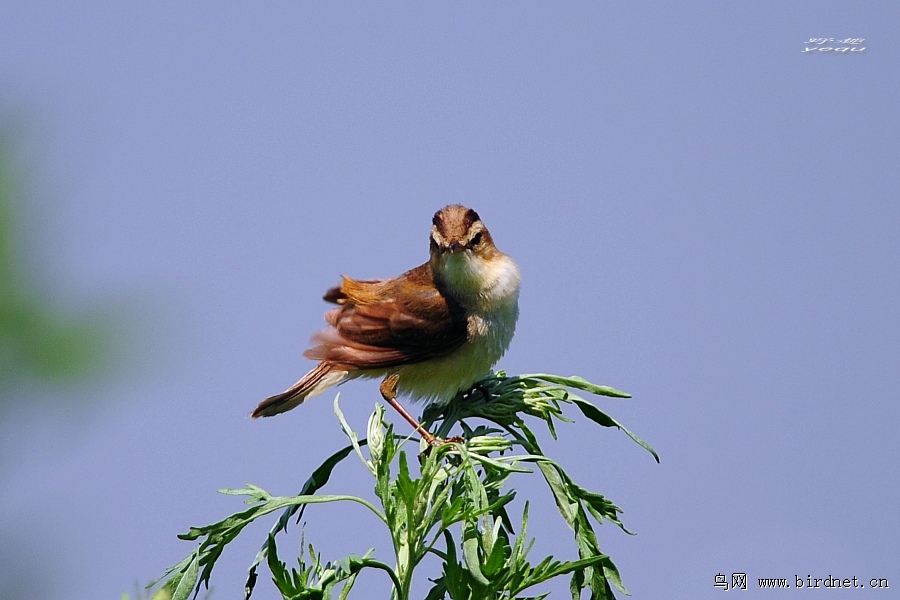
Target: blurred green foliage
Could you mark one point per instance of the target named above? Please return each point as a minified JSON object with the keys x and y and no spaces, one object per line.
{"x":43,"y":343}
{"x":39,"y":341}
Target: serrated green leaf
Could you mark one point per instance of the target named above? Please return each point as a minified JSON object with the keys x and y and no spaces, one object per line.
{"x":453,"y":512}
{"x":351,"y":435}
{"x":406,"y":485}
{"x":612,"y":574}
{"x":579,"y":383}
{"x":188,"y":579}
{"x":497,"y":558}
{"x":598,"y":416}
{"x":456,"y":579}
{"x":283,"y":580}
{"x":376,"y":436}
{"x":576,"y":583}
{"x":470,"y":554}
{"x":314,"y":483}
{"x":438,"y":591}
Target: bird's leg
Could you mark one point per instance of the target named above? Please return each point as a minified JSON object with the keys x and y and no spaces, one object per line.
{"x":389,"y":392}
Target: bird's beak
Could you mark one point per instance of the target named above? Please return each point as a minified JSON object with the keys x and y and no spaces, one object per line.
{"x":454,"y":247}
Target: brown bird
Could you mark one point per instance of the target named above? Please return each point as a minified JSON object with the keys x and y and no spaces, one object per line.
{"x":431,"y":332}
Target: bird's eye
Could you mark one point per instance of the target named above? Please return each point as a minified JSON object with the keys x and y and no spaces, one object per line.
{"x":476,"y":239}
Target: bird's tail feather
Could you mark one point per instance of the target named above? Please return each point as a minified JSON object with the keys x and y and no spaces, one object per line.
{"x":315,"y":382}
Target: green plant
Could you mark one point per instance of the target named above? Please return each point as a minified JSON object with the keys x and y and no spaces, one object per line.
{"x":40,"y":341}
{"x":452,"y":507}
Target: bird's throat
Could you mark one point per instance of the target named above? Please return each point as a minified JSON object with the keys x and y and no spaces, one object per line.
{"x":477,"y":282}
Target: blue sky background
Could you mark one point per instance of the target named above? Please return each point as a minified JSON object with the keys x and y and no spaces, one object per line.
{"x":704,"y":216}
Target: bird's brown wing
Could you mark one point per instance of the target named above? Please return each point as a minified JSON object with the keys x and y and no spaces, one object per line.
{"x":380,"y":324}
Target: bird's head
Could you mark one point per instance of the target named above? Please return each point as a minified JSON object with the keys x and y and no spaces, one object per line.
{"x":457,"y":229}
{"x":463,"y":254}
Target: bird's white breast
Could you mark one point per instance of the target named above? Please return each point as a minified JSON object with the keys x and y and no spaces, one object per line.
{"x":491,"y":294}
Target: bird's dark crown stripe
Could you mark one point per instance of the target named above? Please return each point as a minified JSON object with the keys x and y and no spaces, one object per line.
{"x":459,"y":215}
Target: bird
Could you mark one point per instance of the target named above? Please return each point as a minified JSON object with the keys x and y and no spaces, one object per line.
{"x":430,"y":333}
